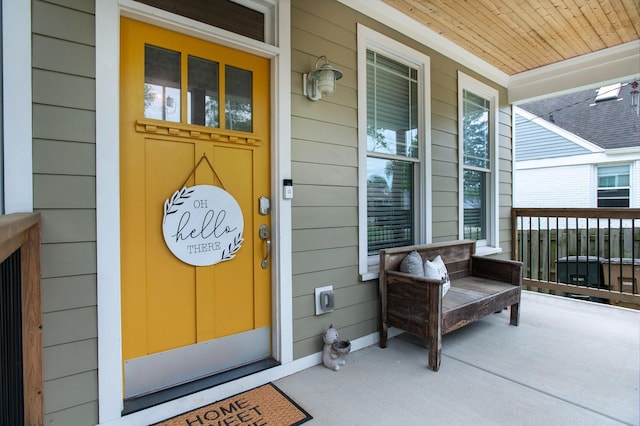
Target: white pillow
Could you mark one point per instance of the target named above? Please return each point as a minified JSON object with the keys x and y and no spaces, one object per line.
{"x":436,"y":269}
{"x":412,"y":264}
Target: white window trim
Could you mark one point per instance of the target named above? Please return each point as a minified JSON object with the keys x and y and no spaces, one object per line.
{"x":465,"y":82}
{"x":596,"y":181}
{"x":17,"y":117}
{"x":369,"y":39}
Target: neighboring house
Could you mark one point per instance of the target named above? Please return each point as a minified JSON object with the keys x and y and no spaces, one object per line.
{"x":110,"y":107}
{"x":579,"y":150}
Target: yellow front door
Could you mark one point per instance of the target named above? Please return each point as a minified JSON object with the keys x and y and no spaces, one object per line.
{"x":192,"y":113}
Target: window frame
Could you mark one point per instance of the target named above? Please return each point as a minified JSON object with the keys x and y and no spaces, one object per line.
{"x":17,"y":141}
{"x":628,"y":187}
{"x":467,"y":83}
{"x":369,"y":39}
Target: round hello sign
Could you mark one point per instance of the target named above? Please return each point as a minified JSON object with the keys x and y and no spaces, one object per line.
{"x":202,"y":225}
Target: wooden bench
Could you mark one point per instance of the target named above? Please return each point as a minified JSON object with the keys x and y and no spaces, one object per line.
{"x":479,"y":287}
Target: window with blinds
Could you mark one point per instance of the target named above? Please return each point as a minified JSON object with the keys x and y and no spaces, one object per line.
{"x":476,"y":163}
{"x":614,"y":186}
{"x":392,"y":152}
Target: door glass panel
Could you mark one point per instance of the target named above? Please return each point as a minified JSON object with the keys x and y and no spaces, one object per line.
{"x":239,"y":103}
{"x":161,"y":84}
{"x":203,"y":97}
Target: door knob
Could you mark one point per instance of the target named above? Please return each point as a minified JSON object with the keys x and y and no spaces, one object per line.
{"x":265,"y":235}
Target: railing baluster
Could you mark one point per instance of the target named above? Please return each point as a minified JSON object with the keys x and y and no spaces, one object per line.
{"x":617,"y":244}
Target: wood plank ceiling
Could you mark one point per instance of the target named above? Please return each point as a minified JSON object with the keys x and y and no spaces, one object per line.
{"x":521,"y":35}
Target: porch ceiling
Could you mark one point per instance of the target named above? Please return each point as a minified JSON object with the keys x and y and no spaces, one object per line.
{"x":519,"y":36}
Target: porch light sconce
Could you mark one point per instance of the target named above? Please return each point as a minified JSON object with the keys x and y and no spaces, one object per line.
{"x":321,"y":81}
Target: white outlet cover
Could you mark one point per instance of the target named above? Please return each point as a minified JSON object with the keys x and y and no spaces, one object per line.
{"x":319,"y":290}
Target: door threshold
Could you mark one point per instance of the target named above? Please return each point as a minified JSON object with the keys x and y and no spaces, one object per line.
{"x":131,"y":405}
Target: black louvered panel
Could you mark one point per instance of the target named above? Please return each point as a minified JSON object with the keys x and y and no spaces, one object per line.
{"x":11,"y":386}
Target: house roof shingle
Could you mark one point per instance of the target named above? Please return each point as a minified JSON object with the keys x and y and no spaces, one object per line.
{"x":609,"y":124}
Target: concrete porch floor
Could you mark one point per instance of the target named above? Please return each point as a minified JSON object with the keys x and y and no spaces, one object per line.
{"x":569,"y":362}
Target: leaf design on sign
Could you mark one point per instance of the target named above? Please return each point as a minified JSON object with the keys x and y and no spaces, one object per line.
{"x":177,"y":199}
{"x":230,"y":252}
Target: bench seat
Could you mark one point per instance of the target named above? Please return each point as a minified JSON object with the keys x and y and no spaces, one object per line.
{"x":479,"y":286}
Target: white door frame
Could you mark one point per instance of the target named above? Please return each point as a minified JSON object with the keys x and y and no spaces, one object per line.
{"x":107,"y":13}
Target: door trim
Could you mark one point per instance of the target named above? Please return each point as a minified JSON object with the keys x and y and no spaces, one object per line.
{"x":107,"y":15}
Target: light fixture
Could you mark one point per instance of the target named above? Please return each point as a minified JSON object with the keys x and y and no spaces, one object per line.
{"x":321,"y":81}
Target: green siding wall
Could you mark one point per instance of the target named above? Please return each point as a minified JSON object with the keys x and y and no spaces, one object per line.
{"x":63,"y":60}
{"x":325,"y":171}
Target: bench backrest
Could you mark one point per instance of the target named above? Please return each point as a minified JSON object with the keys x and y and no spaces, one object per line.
{"x":455,"y":254}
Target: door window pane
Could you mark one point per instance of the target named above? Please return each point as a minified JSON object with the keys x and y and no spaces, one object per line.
{"x":161,"y":84}
{"x":238,"y":107}
{"x":203,"y":97}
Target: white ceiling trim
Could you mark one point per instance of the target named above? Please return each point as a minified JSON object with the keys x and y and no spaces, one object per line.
{"x":612,"y":65}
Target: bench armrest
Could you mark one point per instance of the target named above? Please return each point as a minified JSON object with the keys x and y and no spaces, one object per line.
{"x":508,"y":271}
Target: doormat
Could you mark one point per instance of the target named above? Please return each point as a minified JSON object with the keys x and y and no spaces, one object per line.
{"x":264,"y":405}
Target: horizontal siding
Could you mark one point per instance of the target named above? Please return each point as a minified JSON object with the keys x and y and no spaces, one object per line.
{"x":48,"y":124}
{"x":317,"y":239}
{"x":63,"y":56}
{"x":51,"y":157}
{"x":535,"y":142}
{"x":63,"y":22}
{"x":71,"y":391}
{"x":68,"y":259}
{"x":79,"y":5}
{"x":70,"y":416}
{"x":64,"y":293}
{"x":333,"y":196}
{"x":323,"y":174}
{"x":69,"y":326}
{"x":64,"y":193}
{"x":69,"y":225}
{"x":304,"y":284}
{"x":316,"y":152}
{"x":505,"y":175}
{"x":325,"y":156}
{"x":69,"y":359}
{"x":324,"y":217}
{"x":70,"y":91}
{"x":323,"y":260}
{"x":319,"y":131}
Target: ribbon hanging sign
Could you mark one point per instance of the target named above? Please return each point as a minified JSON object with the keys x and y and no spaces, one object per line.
{"x":202,"y":225}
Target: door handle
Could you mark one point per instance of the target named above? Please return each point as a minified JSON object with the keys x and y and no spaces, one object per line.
{"x":265,"y":236}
